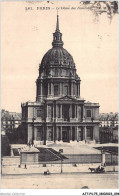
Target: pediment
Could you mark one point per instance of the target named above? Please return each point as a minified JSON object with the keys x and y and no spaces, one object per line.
{"x":67,"y":98}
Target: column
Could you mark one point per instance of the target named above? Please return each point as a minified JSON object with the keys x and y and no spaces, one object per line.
{"x":83,"y":114}
{"x":71,"y":133}
{"x":60,"y":89}
{"x":48,"y":89}
{"x":46,"y":133}
{"x":56,"y":111}
{"x":78,"y":89}
{"x":53,"y":112}
{"x":76,"y":111}
{"x":77,"y":132}
{"x":85,"y":130}
{"x":79,"y":113}
{"x":72,"y":89}
{"x":47,"y":110}
{"x":57,"y":130}
{"x":61,"y":133}
{"x":61,"y":111}
{"x":41,"y":88}
{"x":53,"y":130}
{"x":38,"y":89}
{"x":52,"y":90}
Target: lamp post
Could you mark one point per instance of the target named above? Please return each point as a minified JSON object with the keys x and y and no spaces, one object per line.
{"x":33,"y":119}
{"x":60,"y":151}
{"x":61,"y":166}
{"x":1,"y":165}
{"x":113,"y":166}
{"x":33,"y":131}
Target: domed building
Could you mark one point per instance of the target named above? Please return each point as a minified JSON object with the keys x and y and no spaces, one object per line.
{"x":59,"y":114}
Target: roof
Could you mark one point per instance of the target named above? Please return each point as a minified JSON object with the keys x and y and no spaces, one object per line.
{"x":88,"y":103}
{"x":108,"y":116}
{"x":6,"y":115}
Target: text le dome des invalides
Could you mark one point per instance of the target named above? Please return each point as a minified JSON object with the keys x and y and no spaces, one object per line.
{"x":59,"y":114}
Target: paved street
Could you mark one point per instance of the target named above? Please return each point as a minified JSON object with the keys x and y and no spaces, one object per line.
{"x":63,"y":181}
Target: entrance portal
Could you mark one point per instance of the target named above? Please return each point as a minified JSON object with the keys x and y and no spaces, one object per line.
{"x":65,"y":136}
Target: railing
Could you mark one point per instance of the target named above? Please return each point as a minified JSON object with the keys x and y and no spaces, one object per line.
{"x":30,"y":103}
{"x":49,"y":119}
{"x":31,"y":120}
{"x":73,"y":119}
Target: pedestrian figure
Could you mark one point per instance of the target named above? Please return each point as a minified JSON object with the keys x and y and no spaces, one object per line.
{"x":25,"y":166}
{"x":104,"y":164}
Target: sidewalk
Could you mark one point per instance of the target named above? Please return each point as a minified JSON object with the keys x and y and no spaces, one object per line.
{"x":55,"y":169}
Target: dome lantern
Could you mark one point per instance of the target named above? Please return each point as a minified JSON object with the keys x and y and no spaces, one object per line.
{"x":57,"y":36}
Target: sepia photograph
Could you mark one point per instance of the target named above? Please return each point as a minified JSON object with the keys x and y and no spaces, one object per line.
{"x":59,"y":95}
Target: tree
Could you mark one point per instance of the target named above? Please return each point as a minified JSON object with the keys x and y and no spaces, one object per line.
{"x":5,"y":146}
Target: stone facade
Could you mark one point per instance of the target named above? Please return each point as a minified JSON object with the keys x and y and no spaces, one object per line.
{"x":59,"y":114}
{"x":109,"y":127}
{"x":10,"y":120}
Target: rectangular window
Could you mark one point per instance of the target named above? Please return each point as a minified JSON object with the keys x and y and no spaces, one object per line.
{"x":73,"y":133}
{"x":40,"y":134}
{"x":50,"y":111}
{"x":49,"y":134}
{"x":56,"y":90}
{"x":38,"y":113}
{"x":89,"y":132}
{"x":50,"y":88}
{"x":56,"y":72}
{"x":88,"y":113}
{"x":73,"y":111}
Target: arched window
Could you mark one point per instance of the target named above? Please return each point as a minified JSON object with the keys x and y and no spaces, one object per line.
{"x":66,"y":90}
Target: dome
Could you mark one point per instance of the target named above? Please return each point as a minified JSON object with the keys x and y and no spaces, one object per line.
{"x":57,"y":56}
{"x":57,"y":71}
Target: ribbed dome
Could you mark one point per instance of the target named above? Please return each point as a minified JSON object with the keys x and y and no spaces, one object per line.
{"x":57,"y":56}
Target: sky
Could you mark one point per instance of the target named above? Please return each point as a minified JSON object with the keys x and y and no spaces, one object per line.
{"x":26,"y":35}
